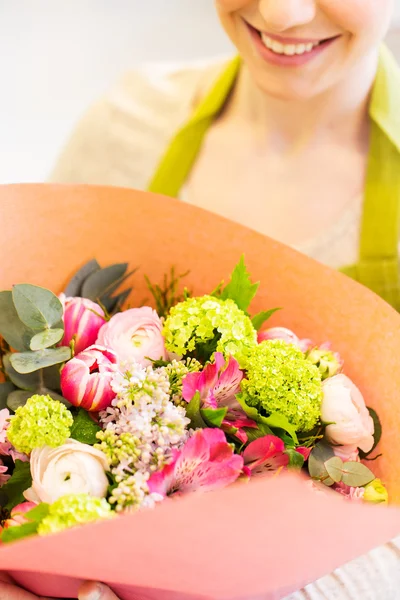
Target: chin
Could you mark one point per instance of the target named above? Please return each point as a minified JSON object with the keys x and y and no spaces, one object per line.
{"x":287,"y":90}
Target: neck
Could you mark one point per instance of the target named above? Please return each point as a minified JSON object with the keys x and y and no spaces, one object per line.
{"x":341,"y":111}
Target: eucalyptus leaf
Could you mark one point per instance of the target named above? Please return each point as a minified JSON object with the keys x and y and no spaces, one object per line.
{"x":18,"y":398}
{"x":16,"y":334}
{"x":334,"y":468}
{"x":214,"y":416}
{"x":97,"y":283}
{"x":262,"y":317}
{"x":5,"y":390}
{"x":113,"y":304}
{"x":320,"y":454}
{"x":55,"y":396}
{"x":37,"y":307}
{"x":74,"y":286}
{"x":46,"y":338}
{"x":32,"y":381}
{"x":28,"y":362}
{"x":355,"y":474}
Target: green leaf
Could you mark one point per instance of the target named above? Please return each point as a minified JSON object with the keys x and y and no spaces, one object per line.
{"x":334,"y":468}
{"x":296,"y":460}
{"x":377,"y":432}
{"x":18,"y":532}
{"x":214,"y":416}
{"x":320,"y":454}
{"x":240,"y":289}
{"x":277,"y":421}
{"x":356,"y":474}
{"x":74,"y":286}
{"x":18,"y":398}
{"x":97,"y":282}
{"x":84,"y":429}
{"x":37,"y":307}
{"x":55,"y":396}
{"x":5,"y":390}
{"x":32,"y":381}
{"x":259,"y":319}
{"x":38,"y":513}
{"x":28,"y":362}
{"x":193,"y":413}
{"x":18,"y":483}
{"x":16,"y":334}
{"x":46,"y":338}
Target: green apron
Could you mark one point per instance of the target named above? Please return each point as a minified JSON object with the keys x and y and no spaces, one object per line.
{"x":378,"y":264}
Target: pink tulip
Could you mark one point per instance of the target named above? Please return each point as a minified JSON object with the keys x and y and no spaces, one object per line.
{"x":205,"y":463}
{"x":286,"y":335}
{"x":3,"y":474}
{"x":18,"y":514}
{"x":83,"y":320}
{"x":86,"y":379}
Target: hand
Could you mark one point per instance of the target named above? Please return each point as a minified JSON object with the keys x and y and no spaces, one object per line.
{"x":91,"y":591}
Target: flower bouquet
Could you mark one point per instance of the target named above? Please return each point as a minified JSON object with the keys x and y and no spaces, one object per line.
{"x":113,"y":413}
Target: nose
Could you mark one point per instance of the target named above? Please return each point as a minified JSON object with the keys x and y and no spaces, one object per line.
{"x":280,"y":15}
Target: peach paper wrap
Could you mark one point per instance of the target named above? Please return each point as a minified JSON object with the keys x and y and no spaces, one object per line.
{"x":248,"y":542}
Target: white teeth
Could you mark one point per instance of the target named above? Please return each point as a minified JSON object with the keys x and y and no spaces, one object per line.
{"x":287,"y":49}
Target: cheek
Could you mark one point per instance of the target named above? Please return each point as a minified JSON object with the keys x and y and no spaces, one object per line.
{"x":358,"y":16}
{"x":226,"y":6}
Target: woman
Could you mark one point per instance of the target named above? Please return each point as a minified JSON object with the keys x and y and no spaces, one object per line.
{"x":305,"y":123}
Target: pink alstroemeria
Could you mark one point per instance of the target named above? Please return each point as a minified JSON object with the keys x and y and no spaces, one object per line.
{"x":6,"y":449}
{"x":350,"y":493}
{"x":86,"y":378}
{"x":83,"y":320}
{"x":217,"y":385}
{"x":205,"y":463}
{"x":265,"y":455}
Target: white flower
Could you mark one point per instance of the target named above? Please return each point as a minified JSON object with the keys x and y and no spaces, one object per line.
{"x":73,"y":468}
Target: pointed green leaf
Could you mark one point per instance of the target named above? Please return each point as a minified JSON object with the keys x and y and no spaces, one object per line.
{"x":28,"y":362}
{"x":193,"y":413}
{"x":46,"y":338}
{"x":17,"y":398}
{"x":16,"y":334}
{"x":277,"y":421}
{"x":74,"y":286}
{"x":356,"y":474}
{"x":31,"y":381}
{"x":261,"y":318}
{"x":18,"y":532}
{"x":5,"y":390}
{"x":38,"y":513}
{"x":97,"y":283}
{"x":334,"y":468}
{"x":240,"y":289}
{"x":214,"y":416}
{"x":84,"y":429}
{"x":18,"y":483}
{"x":37,"y":307}
{"x":320,"y":454}
{"x":296,"y":460}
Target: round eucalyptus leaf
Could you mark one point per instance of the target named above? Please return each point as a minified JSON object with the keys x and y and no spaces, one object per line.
{"x":356,"y":474}
{"x":12,"y":329}
{"x":318,"y":457}
{"x":334,"y":467}
{"x":55,"y":396}
{"x":37,"y":307}
{"x":31,"y":381}
{"x":5,"y":390}
{"x":28,"y":362}
{"x":46,"y":338}
{"x":18,"y":398}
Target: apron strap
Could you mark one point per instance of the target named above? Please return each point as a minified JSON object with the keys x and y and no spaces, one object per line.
{"x":183,"y":150}
{"x":378,"y":266}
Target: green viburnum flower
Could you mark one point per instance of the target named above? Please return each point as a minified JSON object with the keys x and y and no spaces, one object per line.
{"x":202,"y":326}
{"x":41,"y":422}
{"x":74,"y":509}
{"x":281,"y":380}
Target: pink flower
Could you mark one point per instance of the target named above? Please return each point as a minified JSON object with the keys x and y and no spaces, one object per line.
{"x":343,"y":405}
{"x":265,"y":455}
{"x":86,"y":378}
{"x":6,"y":449}
{"x":205,"y":463}
{"x":350,"y":493}
{"x":135,"y":335}
{"x":346,"y":453}
{"x":3,"y":476}
{"x":17,"y":514}
{"x":217,"y":384}
{"x":82,"y":321}
{"x":286,"y":335}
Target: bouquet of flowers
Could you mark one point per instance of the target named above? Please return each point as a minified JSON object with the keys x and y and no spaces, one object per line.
{"x":111,"y":410}
{"x":112,"y":413}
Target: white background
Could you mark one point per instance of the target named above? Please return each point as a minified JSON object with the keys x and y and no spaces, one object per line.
{"x":57,"y":56}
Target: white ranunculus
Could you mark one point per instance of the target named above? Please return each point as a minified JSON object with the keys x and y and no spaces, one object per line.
{"x":73,"y":468}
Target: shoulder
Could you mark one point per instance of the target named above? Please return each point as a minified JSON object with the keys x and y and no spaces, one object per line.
{"x":121,"y":138}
